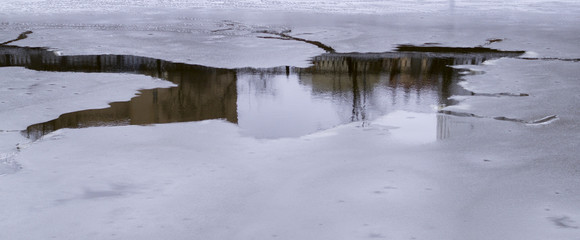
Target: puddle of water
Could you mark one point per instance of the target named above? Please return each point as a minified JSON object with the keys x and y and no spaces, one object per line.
{"x":277,"y":105}
{"x":267,"y":103}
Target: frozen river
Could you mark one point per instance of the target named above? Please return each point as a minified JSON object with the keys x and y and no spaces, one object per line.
{"x":289,"y":119}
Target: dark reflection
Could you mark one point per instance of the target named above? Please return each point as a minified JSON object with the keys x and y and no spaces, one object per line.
{"x":201,"y":92}
{"x":365,"y":79}
{"x":357,"y":77}
{"x":204,"y":95}
{"x":360,"y":86}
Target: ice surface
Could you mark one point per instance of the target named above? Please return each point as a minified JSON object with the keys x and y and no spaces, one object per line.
{"x":30,"y":97}
{"x":331,"y":6}
{"x":223,"y":34}
{"x":411,"y":128}
{"x":483,"y":179}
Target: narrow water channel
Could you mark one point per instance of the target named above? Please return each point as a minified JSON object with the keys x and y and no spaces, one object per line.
{"x":271,"y":102}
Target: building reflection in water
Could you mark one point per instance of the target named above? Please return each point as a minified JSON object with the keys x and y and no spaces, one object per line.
{"x":448,"y":126}
{"x":385,"y":82}
{"x":273,"y":102}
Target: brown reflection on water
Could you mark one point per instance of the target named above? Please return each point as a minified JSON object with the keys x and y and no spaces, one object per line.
{"x":366,"y":85}
{"x":199,"y":95}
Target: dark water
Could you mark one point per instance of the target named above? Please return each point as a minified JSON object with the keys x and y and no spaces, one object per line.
{"x":273,"y":102}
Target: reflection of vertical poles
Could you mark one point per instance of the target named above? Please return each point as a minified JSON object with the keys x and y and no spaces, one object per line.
{"x":442,"y":127}
{"x":364,"y":94}
{"x":232,"y":90}
{"x":446,"y":82}
{"x":99,"y":64}
{"x":155,"y":110}
{"x":393,"y":71}
{"x":352,"y":72}
{"x":158,"y":68}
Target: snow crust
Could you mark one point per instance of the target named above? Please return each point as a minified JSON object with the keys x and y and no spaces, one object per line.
{"x":480,"y":178}
{"x":329,"y":6}
{"x":226,"y":34}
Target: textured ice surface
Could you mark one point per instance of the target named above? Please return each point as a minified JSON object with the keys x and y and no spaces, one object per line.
{"x":332,"y":6}
{"x":487,"y":179}
{"x":228,"y":37}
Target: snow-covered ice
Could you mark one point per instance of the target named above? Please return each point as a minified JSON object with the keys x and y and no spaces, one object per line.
{"x":478,"y":178}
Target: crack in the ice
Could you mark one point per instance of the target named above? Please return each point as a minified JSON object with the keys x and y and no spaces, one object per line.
{"x":489,"y":41}
{"x":500,"y":94}
{"x":222,"y":30}
{"x":20,"y":37}
{"x":8,"y":131}
{"x":284,"y":36}
{"x":552,"y":59}
{"x":544,"y":120}
{"x":441,"y":49}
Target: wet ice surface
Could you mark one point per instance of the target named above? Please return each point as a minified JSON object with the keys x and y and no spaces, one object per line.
{"x":337,"y":89}
{"x":205,"y":179}
{"x":333,"y":6}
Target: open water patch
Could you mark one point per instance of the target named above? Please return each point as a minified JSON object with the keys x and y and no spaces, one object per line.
{"x":284,"y":101}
